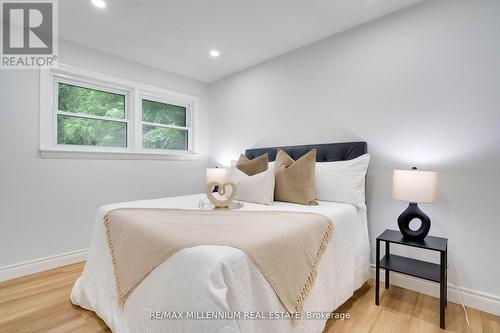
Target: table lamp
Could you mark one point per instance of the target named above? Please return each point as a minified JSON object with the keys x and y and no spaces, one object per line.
{"x":414,"y":186}
{"x":217,"y":175}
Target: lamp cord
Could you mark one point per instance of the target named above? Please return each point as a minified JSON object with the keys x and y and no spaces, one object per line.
{"x":461,"y":301}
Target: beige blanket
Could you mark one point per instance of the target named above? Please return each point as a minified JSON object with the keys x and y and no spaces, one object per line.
{"x":285,"y":246}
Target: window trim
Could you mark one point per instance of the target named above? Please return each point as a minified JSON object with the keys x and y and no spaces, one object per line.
{"x":134,"y":92}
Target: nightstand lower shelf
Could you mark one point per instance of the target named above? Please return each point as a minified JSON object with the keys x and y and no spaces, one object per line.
{"x":413,"y":267}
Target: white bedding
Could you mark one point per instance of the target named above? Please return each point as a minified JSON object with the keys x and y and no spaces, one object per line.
{"x":220,"y":278}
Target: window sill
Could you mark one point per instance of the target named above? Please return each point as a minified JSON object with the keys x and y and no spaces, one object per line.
{"x":58,"y":153}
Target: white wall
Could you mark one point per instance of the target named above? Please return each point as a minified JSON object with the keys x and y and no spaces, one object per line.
{"x":422,"y":87}
{"x":47,"y":206}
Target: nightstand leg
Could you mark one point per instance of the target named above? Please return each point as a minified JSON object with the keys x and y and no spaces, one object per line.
{"x":446,"y":277}
{"x":377,"y":275}
{"x":442,"y":298}
{"x":386,"y":270}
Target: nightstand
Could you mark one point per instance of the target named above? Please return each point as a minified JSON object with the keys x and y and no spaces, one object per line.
{"x":418,"y":268}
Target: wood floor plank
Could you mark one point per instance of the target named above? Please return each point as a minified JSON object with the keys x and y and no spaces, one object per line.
{"x":490,"y":323}
{"x":40,"y":303}
{"x":425,"y":315}
{"x":397,"y":310}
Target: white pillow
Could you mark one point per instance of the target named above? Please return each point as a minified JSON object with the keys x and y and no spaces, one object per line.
{"x":258,"y":188}
{"x":342,"y":181}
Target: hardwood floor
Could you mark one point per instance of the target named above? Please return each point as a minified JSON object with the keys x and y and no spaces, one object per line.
{"x":403,"y":310}
{"x":40,"y":303}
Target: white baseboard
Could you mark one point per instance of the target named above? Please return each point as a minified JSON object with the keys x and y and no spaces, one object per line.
{"x":42,"y":264}
{"x":472,"y":298}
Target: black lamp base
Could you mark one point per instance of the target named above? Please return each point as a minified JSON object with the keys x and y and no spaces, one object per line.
{"x":413,"y":212}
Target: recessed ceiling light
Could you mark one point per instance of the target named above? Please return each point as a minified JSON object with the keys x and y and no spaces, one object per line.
{"x":214,"y":53}
{"x":99,"y":3}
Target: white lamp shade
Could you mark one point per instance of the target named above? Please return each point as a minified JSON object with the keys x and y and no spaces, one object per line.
{"x":218,"y":175}
{"x":414,"y":185}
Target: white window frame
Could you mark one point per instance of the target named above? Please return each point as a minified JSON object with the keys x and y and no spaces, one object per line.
{"x":134,"y":93}
{"x":155,"y":98}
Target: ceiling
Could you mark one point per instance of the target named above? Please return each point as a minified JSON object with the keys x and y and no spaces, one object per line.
{"x":177,"y":35}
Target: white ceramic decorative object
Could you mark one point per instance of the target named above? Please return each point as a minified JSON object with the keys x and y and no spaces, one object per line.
{"x":224,"y":195}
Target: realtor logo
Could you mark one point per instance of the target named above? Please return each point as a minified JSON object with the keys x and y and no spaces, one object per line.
{"x":29,"y":34}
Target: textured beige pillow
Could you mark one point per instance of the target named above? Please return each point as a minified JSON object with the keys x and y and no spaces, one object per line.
{"x":295,"y":180}
{"x":252,"y":167}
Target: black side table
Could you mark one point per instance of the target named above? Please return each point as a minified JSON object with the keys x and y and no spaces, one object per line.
{"x":413,"y":267}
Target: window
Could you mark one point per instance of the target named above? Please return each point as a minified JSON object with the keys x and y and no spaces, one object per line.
{"x":84,"y":113}
{"x":164,"y":126}
{"x":90,"y":117}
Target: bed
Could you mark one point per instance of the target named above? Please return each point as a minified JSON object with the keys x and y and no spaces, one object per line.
{"x":221,"y":279}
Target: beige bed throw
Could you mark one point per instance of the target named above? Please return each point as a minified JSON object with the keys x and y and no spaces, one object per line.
{"x":285,"y":246}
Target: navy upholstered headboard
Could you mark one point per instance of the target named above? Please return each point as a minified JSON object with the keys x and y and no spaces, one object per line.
{"x":326,"y":152}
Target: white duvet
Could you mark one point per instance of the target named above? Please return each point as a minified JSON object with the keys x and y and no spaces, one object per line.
{"x":219,"y":278}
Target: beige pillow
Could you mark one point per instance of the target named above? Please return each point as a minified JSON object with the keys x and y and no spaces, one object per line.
{"x":252,"y":167}
{"x":295,"y":180}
